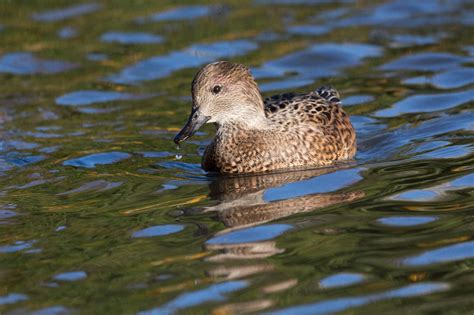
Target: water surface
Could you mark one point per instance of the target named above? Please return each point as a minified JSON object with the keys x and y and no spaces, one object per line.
{"x":101,"y":214}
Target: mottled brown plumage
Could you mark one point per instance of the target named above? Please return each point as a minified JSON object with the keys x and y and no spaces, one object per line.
{"x":256,"y":135}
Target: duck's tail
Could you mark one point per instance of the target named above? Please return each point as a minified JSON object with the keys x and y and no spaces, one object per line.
{"x":329,"y":93}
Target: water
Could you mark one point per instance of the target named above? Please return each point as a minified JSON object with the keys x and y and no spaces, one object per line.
{"x":100,"y":213}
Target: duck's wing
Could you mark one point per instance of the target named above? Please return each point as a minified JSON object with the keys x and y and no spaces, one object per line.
{"x":321,"y":106}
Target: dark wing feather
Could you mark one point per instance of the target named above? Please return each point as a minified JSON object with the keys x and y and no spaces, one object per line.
{"x":321,"y":106}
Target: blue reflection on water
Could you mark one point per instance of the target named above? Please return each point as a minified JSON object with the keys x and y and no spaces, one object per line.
{"x":190,"y":12}
{"x":158,"y":230}
{"x":422,"y":103}
{"x":308,"y":29}
{"x":427,"y":61}
{"x":341,"y":279}
{"x":213,"y":293}
{"x":251,"y":234}
{"x":90,"y":161}
{"x":17,"y":246}
{"x":461,"y":251}
{"x":451,"y":79}
{"x":340,"y":304}
{"x":26,"y":63}
{"x":406,"y":220}
{"x":463,"y":182}
{"x":449,"y":152}
{"x":52,"y":310}
{"x":87,"y":97}
{"x":357,"y":99}
{"x":68,"y":32}
{"x":66,"y":13}
{"x":6,"y":214}
{"x":320,"y":184}
{"x":332,"y":58}
{"x":12,"y":298}
{"x":416,"y":195}
{"x":70,"y":276}
{"x":402,"y":13}
{"x":407,"y":40}
{"x":299,"y":2}
{"x":131,"y":38}
{"x":197,"y":55}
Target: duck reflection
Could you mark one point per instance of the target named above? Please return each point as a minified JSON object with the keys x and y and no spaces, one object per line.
{"x":251,"y":200}
{"x":246,"y":205}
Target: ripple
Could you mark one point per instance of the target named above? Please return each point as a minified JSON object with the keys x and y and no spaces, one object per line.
{"x":52,"y":310}
{"x":435,"y":192}
{"x":300,"y":2}
{"x":96,"y":57}
{"x":429,"y":146}
{"x":417,"y":195}
{"x":7,"y":145}
{"x":7,"y":214}
{"x":426,"y":61}
{"x":451,"y":79}
{"x":357,"y":99}
{"x":90,"y":161}
{"x":158,"y":230}
{"x":190,"y":12}
{"x":68,"y":32}
{"x":341,"y":304}
{"x":187,"y":167}
{"x":402,"y":221}
{"x":403,"y":14}
{"x":449,"y":152}
{"x":94,"y":186}
{"x":463,"y":182}
{"x":22,"y":63}
{"x":156,"y":154}
{"x":12,"y":298}
{"x":341,"y":279}
{"x":17,"y":246}
{"x":456,"y":252}
{"x":331,"y":59}
{"x":251,"y":234}
{"x":213,"y":293}
{"x":469,"y":50}
{"x":66,"y":13}
{"x":309,"y":29}
{"x":320,"y":184}
{"x":87,"y":97}
{"x":285,"y":84}
{"x":131,"y":38}
{"x":408,"y":40}
{"x":70,"y":276}
{"x":197,"y":55}
{"x":426,"y":103}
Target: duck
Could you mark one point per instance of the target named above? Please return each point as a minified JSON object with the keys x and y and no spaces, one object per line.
{"x":255,"y":135}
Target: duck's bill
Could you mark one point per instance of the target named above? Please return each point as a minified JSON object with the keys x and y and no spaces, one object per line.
{"x":195,"y":121}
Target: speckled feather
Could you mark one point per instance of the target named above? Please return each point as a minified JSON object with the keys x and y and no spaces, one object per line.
{"x":294,"y":131}
{"x":308,"y":130}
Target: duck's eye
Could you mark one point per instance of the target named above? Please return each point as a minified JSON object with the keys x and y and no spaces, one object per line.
{"x":216,"y":89}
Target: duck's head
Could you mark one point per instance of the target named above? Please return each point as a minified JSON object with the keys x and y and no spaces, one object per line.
{"x":223,"y":92}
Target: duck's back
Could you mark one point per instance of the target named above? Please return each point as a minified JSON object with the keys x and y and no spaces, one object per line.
{"x":318,"y":119}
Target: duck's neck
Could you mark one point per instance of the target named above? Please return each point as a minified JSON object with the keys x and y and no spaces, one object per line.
{"x":250,"y":122}
{"x":245,"y":117}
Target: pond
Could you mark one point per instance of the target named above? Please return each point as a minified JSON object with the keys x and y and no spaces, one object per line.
{"x":100,"y":213}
